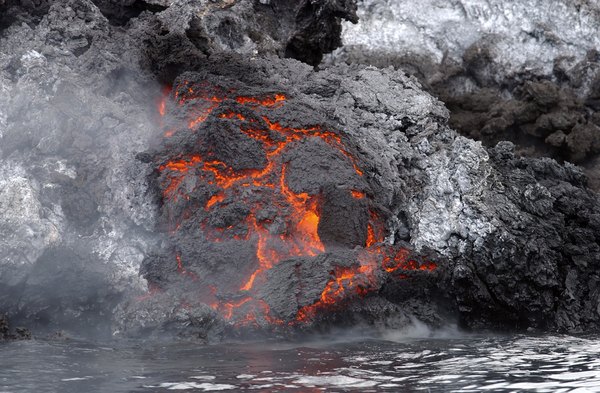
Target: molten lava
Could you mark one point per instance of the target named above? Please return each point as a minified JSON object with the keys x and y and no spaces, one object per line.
{"x":301,"y":209}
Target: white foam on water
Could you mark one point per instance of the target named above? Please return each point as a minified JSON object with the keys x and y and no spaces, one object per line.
{"x":340,"y":381}
{"x":442,"y":378}
{"x":382,"y":377}
{"x":266,"y":386}
{"x":538,"y":386}
{"x":381,"y":362}
{"x":410,"y":365}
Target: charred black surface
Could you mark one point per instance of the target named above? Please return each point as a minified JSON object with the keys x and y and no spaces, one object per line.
{"x":6,"y":333}
{"x":344,"y":218}
{"x":321,"y":34}
{"x":4,"y":328}
{"x":14,"y":11}
{"x":550,"y":117}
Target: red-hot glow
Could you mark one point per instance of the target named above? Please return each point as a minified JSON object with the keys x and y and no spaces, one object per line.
{"x":359,"y":281}
{"x":370,"y":236}
{"x":300,"y":237}
{"x":162,"y":103}
{"x":152,"y":290}
{"x":214,"y":200}
{"x":277,"y":99}
{"x":375,"y":230}
{"x":182,"y":270}
{"x":357,"y":194}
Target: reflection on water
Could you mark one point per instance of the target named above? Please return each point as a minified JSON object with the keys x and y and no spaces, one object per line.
{"x":394,"y":362}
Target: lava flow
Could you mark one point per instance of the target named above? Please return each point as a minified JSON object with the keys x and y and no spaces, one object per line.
{"x":294,"y":230}
{"x":359,"y":281}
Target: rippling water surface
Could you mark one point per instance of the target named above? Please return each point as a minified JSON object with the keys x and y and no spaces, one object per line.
{"x":394,"y":362}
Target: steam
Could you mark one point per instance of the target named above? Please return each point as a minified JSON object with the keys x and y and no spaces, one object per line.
{"x":417,"y":329}
{"x":75,"y":223}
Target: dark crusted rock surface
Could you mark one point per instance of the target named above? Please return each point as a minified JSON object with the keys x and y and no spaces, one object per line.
{"x":300,"y":29}
{"x":546,"y":258}
{"x":520,"y":234}
{"x":504,"y":242}
{"x":515,"y":71}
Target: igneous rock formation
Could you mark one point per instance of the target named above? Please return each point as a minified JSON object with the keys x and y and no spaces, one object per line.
{"x":165,"y":169}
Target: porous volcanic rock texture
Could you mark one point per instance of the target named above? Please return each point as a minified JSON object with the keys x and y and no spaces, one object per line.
{"x":527,"y":71}
{"x":90,"y":161}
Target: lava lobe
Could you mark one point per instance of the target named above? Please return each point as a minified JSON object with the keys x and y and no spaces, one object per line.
{"x":266,"y":209}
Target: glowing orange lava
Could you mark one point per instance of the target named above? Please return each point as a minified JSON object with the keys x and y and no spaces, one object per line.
{"x":300,"y":237}
{"x":162,"y":103}
{"x":348,"y":283}
{"x":357,"y":194}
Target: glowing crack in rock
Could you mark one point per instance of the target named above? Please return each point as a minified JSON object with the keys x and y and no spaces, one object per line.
{"x":302,"y":210}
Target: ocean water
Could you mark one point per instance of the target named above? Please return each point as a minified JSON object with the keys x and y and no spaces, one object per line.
{"x":390,"y":362}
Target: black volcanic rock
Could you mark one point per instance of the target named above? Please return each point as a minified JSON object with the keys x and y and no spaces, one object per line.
{"x":300,"y":29}
{"x":20,"y":333}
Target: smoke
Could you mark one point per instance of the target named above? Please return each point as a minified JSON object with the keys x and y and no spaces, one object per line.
{"x":412,"y":330}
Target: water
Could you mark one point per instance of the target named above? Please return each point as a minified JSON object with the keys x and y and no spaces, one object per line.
{"x":389,"y":363}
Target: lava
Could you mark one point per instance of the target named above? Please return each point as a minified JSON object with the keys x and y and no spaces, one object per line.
{"x":300,"y":236}
{"x":162,"y":103}
{"x":360,"y":281}
{"x":357,"y":194}
{"x":182,"y":270}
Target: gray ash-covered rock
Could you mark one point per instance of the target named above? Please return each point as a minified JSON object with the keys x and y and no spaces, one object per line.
{"x":74,"y":224}
{"x":525,"y":71}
